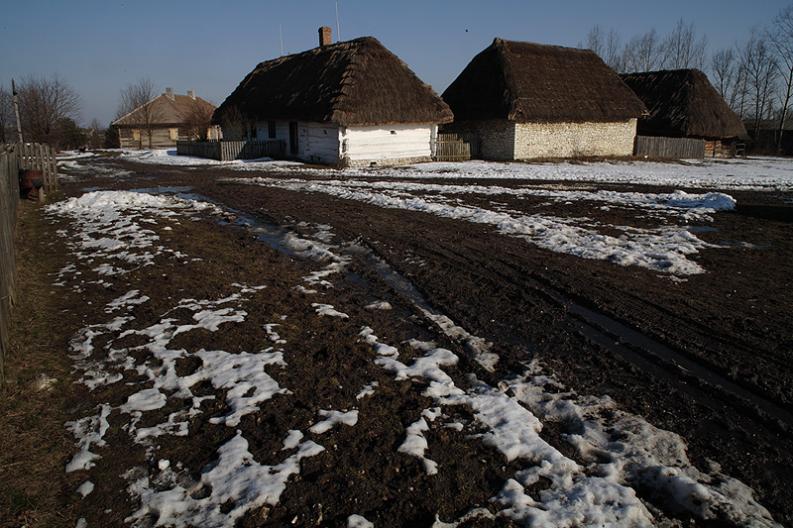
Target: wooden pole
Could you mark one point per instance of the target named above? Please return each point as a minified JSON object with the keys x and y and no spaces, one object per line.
{"x":16,"y":110}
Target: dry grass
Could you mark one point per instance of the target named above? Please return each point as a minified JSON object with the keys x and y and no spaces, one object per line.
{"x":33,"y":442}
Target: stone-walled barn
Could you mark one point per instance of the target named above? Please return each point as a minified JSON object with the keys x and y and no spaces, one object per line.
{"x":683,"y":103}
{"x":351,"y":103}
{"x":528,"y":101}
{"x":164,"y":120}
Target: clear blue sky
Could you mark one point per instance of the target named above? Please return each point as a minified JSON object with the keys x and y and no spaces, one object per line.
{"x":100,"y":46}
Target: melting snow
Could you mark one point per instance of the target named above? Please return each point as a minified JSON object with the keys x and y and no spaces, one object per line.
{"x":358,"y":521}
{"x":234,"y":484}
{"x":332,"y":418}
{"x":367,"y":390}
{"x":664,"y":249}
{"x":415,"y":443}
{"x":328,"y":310}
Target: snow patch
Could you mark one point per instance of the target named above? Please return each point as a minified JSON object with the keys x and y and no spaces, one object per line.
{"x":333,"y":418}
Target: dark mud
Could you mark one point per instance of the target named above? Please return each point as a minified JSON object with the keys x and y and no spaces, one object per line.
{"x":708,"y":358}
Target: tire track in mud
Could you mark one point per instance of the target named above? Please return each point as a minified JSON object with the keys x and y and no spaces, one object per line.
{"x":642,"y":349}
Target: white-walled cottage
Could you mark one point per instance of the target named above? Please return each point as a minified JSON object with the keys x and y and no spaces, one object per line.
{"x":525,"y":101}
{"x":351,"y":103}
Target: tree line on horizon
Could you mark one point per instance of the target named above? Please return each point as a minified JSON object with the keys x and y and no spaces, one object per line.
{"x":755,"y":76}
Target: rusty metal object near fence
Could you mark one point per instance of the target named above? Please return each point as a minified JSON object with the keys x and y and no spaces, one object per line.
{"x":224,"y":150}
{"x":669,"y":148}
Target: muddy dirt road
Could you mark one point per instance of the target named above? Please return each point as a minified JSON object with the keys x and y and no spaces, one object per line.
{"x":478,"y":355}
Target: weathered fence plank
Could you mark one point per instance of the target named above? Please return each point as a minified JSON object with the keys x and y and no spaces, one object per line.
{"x":223,"y":150}
{"x":9,"y":199}
{"x":454,"y":147}
{"x":40,"y":157}
{"x":669,"y":148}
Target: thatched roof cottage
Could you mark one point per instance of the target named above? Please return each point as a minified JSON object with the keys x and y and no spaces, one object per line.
{"x":526,"y":100}
{"x":683,"y":103}
{"x":350,"y":103}
{"x":164,"y":120}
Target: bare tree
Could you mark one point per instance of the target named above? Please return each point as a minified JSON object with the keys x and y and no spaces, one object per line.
{"x":595,"y":40}
{"x":723,"y":66}
{"x":683,"y":49}
{"x":642,"y":53}
{"x":44,"y":103}
{"x":613,"y":51}
{"x":232,"y":122}
{"x":137,"y":97}
{"x":781,"y":38}
{"x":198,"y":118}
{"x":761,"y":77}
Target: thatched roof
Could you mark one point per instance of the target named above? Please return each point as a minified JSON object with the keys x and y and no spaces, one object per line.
{"x":683,"y":103}
{"x":527,"y":82}
{"x":166,"y":110}
{"x":358,"y":82}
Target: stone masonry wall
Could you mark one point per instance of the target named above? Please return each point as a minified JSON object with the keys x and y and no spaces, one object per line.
{"x":496,"y":136}
{"x":574,"y":140}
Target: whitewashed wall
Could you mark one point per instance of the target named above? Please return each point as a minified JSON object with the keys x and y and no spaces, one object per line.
{"x":573,"y":140}
{"x":330,"y":144}
{"x":386,"y":144}
{"x":317,"y":142}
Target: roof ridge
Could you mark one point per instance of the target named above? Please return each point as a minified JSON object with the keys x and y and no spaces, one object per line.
{"x":150,"y":101}
{"x":316,"y":49}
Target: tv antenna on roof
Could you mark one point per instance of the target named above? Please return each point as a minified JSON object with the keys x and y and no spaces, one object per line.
{"x":281,"y":37}
{"x":338,"y":29}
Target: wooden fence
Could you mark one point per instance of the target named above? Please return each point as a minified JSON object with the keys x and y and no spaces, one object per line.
{"x":9,"y":198}
{"x":223,"y":150}
{"x":36,"y":156}
{"x":455,"y":147}
{"x":671,"y":148}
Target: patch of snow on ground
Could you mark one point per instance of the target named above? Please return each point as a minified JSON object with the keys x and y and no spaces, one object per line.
{"x":379,"y":305}
{"x":664,"y":249}
{"x":108,"y":226}
{"x":639,"y":456}
{"x":367,"y":390}
{"x":333,"y":418}
{"x":85,"y":488}
{"x":415,"y":443}
{"x":328,"y":310}
{"x":235,"y":484}
{"x":88,"y":432}
{"x":358,"y":521}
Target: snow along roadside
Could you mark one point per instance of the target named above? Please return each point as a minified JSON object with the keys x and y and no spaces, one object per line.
{"x":663,"y":249}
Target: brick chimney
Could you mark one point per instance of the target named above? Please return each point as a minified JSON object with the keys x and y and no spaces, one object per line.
{"x":169,"y":93}
{"x":191,"y":94}
{"x":325,"y":36}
